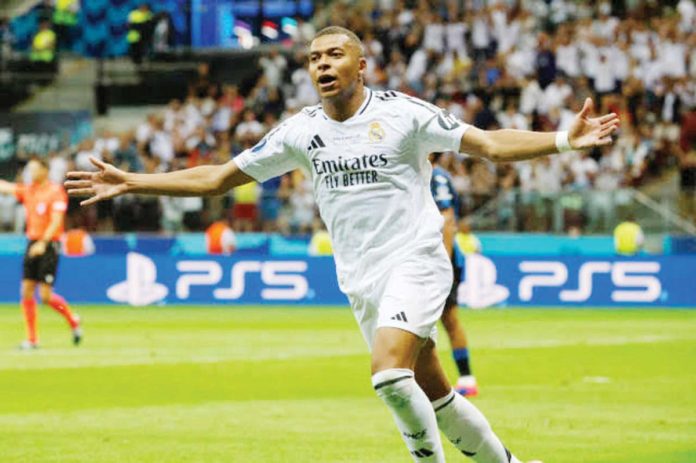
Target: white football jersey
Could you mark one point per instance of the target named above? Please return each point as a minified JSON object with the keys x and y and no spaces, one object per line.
{"x":371,"y":177}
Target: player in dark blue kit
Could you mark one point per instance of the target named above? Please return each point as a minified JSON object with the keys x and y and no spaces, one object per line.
{"x":447,"y":202}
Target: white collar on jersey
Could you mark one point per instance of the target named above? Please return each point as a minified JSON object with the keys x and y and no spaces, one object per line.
{"x":361,"y":109}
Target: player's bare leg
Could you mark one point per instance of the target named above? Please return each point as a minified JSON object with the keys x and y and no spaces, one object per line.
{"x":29,"y":310}
{"x":57,"y":303}
{"x":466,"y":383}
{"x":394,"y":355}
{"x":462,"y":423}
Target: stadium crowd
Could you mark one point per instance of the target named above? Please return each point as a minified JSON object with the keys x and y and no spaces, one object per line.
{"x":498,"y":64}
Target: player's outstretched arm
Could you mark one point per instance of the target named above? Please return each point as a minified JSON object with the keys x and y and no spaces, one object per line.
{"x":109,"y":182}
{"x":517,"y":145}
{"x":7,"y":188}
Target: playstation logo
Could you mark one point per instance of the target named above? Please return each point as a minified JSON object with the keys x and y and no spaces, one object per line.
{"x":480,"y":289}
{"x":141,"y":287}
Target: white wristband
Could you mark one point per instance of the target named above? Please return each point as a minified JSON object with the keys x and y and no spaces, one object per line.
{"x":562,"y":142}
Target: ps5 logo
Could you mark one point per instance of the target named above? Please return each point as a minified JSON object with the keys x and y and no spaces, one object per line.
{"x":634,"y":281}
{"x":282,"y":280}
{"x":286,"y":274}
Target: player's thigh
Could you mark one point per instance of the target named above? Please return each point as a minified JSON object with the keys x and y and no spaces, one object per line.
{"x":47,"y":265}
{"x":28,"y":287}
{"x":395,"y":348}
{"x":30,"y":266}
{"x":430,"y":375}
{"x":415,"y":295}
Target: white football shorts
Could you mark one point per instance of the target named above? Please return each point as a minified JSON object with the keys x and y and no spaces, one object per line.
{"x":411,"y":296}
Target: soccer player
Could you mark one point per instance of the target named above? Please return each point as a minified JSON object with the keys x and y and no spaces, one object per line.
{"x":365,"y":152}
{"x":445,"y":197}
{"x":45,"y":204}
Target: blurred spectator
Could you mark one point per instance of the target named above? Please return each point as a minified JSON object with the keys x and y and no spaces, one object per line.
{"x":628,"y":238}
{"x":77,"y":243}
{"x":126,"y":156}
{"x":139,"y":32}
{"x":245,"y":209}
{"x":273,"y":66}
{"x":85,"y":151}
{"x":162,"y":34}
{"x":249,"y":130}
{"x":220,"y":239}
{"x":43,"y":50}
{"x":320,"y":244}
{"x":65,"y":16}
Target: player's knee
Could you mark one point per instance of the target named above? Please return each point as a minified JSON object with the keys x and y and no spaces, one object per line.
{"x":449,"y":317}
{"x":394,"y":386}
{"x":27,"y":291}
{"x":391,"y":357}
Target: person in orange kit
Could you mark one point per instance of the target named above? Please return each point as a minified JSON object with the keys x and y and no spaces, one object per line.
{"x":45,"y":204}
{"x":77,"y":243}
{"x":220,"y":238}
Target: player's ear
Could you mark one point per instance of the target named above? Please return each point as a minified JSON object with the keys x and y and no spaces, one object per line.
{"x":362,"y":65}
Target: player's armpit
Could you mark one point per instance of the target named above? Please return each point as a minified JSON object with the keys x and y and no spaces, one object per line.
{"x":231,"y":176}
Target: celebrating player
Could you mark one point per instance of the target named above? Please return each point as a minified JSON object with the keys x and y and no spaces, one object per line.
{"x":445,"y":197}
{"x":366,"y":154}
{"x":45,"y":204}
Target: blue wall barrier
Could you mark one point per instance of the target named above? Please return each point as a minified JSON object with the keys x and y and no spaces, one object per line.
{"x":592,"y":281}
{"x":139,"y":279}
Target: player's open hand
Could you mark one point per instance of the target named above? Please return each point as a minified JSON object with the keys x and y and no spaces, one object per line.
{"x":107,"y":182}
{"x":588,"y":132}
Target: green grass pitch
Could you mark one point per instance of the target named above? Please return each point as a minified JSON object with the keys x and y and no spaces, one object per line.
{"x":282,"y":384}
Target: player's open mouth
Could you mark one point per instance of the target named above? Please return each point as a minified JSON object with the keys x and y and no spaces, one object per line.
{"x":326,"y":81}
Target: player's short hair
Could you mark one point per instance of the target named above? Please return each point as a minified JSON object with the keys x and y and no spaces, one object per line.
{"x":338,"y":30}
{"x":436,"y":156}
{"x":43,"y":162}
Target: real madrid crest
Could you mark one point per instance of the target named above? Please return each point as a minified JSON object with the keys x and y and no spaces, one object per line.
{"x":375,"y":132}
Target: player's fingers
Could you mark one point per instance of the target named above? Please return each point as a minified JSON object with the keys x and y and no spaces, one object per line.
{"x":607,"y":131}
{"x":607,"y":118}
{"x":604,"y":141}
{"x":91,"y":200}
{"x":81,"y":192}
{"x":587,"y":107}
{"x":100,"y":164}
{"x":72,"y":184}
{"x":609,"y":126}
{"x":79,"y":174}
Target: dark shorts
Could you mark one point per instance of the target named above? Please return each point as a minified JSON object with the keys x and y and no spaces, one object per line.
{"x":452,"y":298}
{"x":42,"y":268}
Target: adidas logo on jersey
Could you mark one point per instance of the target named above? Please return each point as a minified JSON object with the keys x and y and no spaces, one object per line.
{"x":400,"y":317}
{"x":317,"y":142}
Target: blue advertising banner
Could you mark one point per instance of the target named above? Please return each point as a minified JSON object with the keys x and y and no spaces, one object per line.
{"x":578,"y":281}
{"x":139,"y":279}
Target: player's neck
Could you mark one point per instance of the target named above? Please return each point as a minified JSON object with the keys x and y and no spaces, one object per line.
{"x":343,"y":107}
